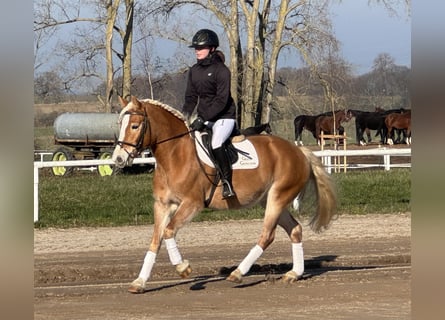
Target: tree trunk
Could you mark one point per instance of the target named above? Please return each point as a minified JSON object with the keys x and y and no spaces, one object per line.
{"x":249,"y":106}
{"x":111,"y":19}
{"x":127,"y":48}
{"x":275,"y":51}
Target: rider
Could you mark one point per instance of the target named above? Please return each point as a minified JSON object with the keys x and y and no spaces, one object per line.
{"x":208,"y":88}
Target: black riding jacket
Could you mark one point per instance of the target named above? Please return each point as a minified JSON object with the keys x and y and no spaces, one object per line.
{"x":208,"y":87}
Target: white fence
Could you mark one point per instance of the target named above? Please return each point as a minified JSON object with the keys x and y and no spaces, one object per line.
{"x":326,"y":156}
{"x":337,"y":155}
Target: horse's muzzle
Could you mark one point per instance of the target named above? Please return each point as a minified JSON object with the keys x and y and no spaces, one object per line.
{"x":121,"y":158}
{"x":119,"y":161}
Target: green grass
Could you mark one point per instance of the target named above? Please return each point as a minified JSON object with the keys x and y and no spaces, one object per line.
{"x":86,"y":199}
{"x":361,"y":192}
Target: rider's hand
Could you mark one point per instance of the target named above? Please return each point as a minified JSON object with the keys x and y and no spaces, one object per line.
{"x":198,"y":124}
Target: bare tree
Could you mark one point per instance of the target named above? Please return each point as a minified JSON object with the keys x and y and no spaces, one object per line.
{"x":48,"y":88}
{"x":265,"y":28}
{"x":392,"y":5}
{"x":50,"y":15}
{"x":257,"y":33}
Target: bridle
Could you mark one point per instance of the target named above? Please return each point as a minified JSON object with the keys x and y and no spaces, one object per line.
{"x":140,"y":140}
{"x":139,"y":143}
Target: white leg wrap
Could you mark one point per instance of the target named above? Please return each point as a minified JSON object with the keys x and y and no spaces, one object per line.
{"x":298,"y":258}
{"x":149,"y":261}
{"x":173,"y":251}
{"x":250,"y":259}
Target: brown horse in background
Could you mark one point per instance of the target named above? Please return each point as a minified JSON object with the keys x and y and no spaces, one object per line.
{"x":305,"y":121}
{"x":399,"y":121}
{"x":183,"y":185}
{"x":326,"y":124}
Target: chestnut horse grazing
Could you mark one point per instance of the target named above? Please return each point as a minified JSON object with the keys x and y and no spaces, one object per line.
{"x":183,"y":185}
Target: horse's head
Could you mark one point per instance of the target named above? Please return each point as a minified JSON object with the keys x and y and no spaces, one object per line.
{"x":133,"y":123}
{"x":339,"y":116}
{"x":349,"y":114}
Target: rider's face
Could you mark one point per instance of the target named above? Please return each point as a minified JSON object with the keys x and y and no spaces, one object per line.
{"x":202,"y":52}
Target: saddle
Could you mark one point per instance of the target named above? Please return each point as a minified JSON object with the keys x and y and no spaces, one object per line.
{"x":240,"y":151}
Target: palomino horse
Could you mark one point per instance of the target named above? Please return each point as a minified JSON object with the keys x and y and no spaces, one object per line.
{"x":183,"y":184}
{"x":257,"y":129}
{"x":399,"y":121}
{"x":328,"y":124}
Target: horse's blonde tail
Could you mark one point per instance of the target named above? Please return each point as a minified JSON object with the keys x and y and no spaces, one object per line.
{"x":325,"y":193}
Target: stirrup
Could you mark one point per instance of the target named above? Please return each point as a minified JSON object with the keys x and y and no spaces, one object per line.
{"x":227,"y":190}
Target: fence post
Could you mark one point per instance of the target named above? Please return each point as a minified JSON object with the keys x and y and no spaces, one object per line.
{"x":327,"y":163}
{"x":36,"y":193}
{"x":387,"y":162}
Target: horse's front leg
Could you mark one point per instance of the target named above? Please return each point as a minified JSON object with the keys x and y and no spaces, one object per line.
{"x":368,"y":134}
{"x":184,"y":213}
{"x":162,"y":213}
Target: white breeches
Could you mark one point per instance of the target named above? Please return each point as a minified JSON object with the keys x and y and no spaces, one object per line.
{"x":221,"y":129}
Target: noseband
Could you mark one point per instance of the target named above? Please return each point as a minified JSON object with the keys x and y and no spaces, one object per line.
{"x":140,"y":140}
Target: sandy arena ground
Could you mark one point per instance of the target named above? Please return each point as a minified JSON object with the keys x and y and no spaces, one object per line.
{"x":360,"y":268}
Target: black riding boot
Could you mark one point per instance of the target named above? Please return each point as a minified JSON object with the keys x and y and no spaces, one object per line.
{"x":225,"y":169}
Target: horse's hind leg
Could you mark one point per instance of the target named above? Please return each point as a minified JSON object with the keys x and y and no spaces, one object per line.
{"x":276,"y":201}
{"x":266,"y":238}
{"x":295,"y":233}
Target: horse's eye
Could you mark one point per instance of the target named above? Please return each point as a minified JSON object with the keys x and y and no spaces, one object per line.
{"x":134,"y":126}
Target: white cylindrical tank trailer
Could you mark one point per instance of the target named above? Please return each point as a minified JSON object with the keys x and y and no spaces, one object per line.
{"x":84,"y":136}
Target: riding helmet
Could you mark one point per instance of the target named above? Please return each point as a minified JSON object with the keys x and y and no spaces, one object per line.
{"x":204,"y":38}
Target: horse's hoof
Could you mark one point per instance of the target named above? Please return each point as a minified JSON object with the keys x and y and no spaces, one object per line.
{"x":137,"y":286}
{"x":290,"y":277}
{"x":184,"y":269}
{"x":235,"y":276}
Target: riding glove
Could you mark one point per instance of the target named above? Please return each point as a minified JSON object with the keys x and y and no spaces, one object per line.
{"x":198,"y":124}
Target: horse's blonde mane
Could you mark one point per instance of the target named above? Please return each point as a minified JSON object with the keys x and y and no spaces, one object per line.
{"x":164,"y":106}
{"x":170,"y":109}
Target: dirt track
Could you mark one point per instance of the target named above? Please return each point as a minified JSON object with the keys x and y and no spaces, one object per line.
{"x":360,"y":268}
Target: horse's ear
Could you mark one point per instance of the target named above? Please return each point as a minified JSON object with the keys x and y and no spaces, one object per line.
{"x":122,"y":101}
{"x":136,"y":102}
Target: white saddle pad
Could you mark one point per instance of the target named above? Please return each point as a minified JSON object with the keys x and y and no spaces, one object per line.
{"x":247,"y":158}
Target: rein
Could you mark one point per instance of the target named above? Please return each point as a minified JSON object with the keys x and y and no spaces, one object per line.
{"x":174,"y":137}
